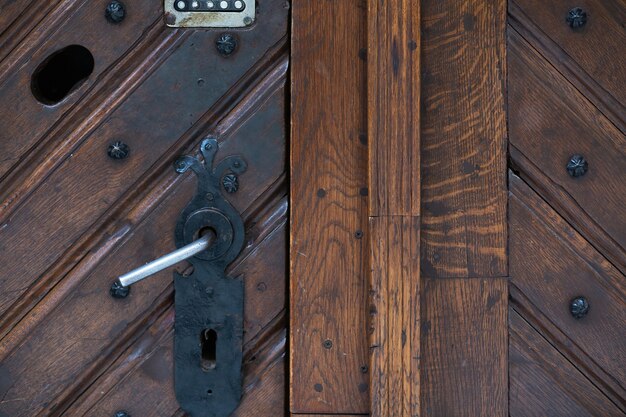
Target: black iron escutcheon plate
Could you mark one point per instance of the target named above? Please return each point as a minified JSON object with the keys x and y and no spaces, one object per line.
{"x":208,"y":300}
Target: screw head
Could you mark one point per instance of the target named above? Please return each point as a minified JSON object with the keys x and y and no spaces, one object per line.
{"x":364,"y":369}
{"x":230,"y":183}
{"x":576,"y":18}
{"x":577,"y":166}
{"x":180,"y":166}
{"x":327,"y":344}
{"x":118,"y":150}
{"x":115,"y":12}
{"x":579,"y":307}
{"x":226,"y":44}
{"x":122,"y":413}
{"x":358,"y":234}
{"x":117,"y":290}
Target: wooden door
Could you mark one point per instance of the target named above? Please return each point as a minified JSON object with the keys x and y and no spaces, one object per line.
{"x":447,"y":240}
{"x":95,"y":110}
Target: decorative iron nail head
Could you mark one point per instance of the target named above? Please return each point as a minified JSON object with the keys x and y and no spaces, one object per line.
{"x":328,"y":344}
{"x":118,"y":150}
{"x":226,"y":44}
{"x":230,"y":183}
{"x":115,"y":12}
{"x":577,"y":166}
{"x":358,"y":234}
{"x":579,"y":307}
{"x":576,"y":18}
{"x":117,"y":290}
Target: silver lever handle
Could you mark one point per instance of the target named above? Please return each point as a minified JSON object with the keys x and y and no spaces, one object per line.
{"x":166,"y":261}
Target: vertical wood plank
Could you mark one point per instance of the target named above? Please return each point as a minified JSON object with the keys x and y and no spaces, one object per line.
{"x":463,"y":138}
{"x":464,"y":348}
{"x":328,"y":338}
{"x":393,"y":99}
{"x":463,"y":209}
{"x":395,"y":313}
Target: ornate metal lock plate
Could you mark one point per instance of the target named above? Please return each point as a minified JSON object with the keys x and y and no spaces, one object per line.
{"x":209,"y":304}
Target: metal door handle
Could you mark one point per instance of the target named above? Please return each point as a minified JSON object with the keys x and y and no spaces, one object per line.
{"x":208,"y":304}
{"x":166,"y":261}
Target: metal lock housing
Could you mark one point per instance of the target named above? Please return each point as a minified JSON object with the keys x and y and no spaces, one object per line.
{"x":210,"y":13}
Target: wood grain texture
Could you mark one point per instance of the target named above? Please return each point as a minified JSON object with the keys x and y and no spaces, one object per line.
{"x":597,"y":47}
{"x":140,"y":380}
{"x":464,"y":347}
{"x":161,"y":118}
{"x":544,"y":383}
{"x":77,"y":332}
{"x":18,"y":19}
{"x":328,"y":339}
{"x":463,"y":139}
{"x":570,"y":351}
{"x":83,"y":26}
{"x":569,"y":67}
{"x":393,"y":99}
{"x":551,"y":264}
{"x":549,"y":122}
{"x":395,"y":316}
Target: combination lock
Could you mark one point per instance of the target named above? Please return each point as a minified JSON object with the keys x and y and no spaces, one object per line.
{"x":209,"y":13}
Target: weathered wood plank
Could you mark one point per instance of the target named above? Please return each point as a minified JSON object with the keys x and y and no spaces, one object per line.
{"x":543,"y":382}
{"x":328,"y":339}
{"x":464,"y":347}
{"x":463,"y":138}
{"x":550,"y":120}
{"x":393,"y":99}
{"x":88,"y":184}
{"x":597,"y":47}
{"x":564,"y":63}
{"x":78,"y":323}
{"x":551,"y":264}
{"x":395,"y":315}
{"x":140,"y":382}
{"x":394,"y":205}
{"x":25,"y":119}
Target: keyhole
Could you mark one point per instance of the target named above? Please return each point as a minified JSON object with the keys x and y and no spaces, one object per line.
{"x":208,"y":340}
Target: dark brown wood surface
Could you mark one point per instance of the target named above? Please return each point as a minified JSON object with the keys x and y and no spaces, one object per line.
{"x":463,"y":139}
{"x":543,"y":382}
{"x":464,"y":347}
{"x":72,"y":219}
{"x":552,"y":264}
{"x":463,"y":352}
{"x":551,"y":122}
{"x":567,"y":235}
{"x":594,"y":47}
{"x":328,"y":255}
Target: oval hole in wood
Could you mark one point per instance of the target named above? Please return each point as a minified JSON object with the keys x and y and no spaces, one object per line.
{"x":61,"y":73}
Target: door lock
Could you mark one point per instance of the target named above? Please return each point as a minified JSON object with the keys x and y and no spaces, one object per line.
{"x":208,"y":329}
{"x":210,"y":13}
